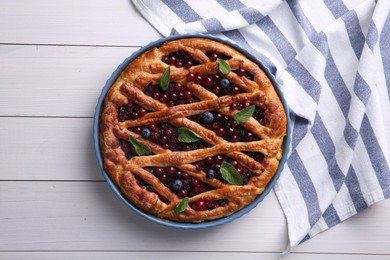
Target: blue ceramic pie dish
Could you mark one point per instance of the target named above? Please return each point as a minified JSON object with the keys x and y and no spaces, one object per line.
{"x":170,"y":223}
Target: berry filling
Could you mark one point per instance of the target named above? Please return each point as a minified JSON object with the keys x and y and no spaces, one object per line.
{"x":179,"y":182}
{"x":243,"y":73}
{"x":176,"y":94}
{"x":225,"y":126}
{"x":259,"y":113}
{"x":211,"y":166}
{"x":208,"y":205}
{"x":215,"y":83}
{"x":128,"y":149}
{"x":255,"y":155}
{"x":180,"y":59}
{"x":130,"y":111}
{"x":166,"y":135}
{"x":150,"y":188}
{"x":213,"y":56}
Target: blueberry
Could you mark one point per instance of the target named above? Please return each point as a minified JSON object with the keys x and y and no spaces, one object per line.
{"x":145,"y":132}
{"x":210,"y":173}
{"x":225,"y":83}
{"x":177,"y":185}
{"x":208,"y":117}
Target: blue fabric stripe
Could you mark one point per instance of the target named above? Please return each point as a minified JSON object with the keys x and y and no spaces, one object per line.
{"x":352,"y":183}
{"x":356,"y":36}
{"x":330,"y":216}
{"x":384,"y":46}
{"x":231,"y":5}
{"x":328,"y":150}
{"x":299,"y":131}
{"x":336,"y":7}
{"x":183,"y":10}
{"x":278,"y":39}
{"x":350,"y":135}
{"x":362,"y":89}
{"x":307,"y":237}
{"x":378,"y":160}
{"x":333,"y":77}
{"x":237,"y":37}
{"x":251,"y":15}
{"x":213,"y":25}
{"x":306,"y":187}
{"x":305,"y":79}
{"x":307,"y":27}
{"x":372,"y":36}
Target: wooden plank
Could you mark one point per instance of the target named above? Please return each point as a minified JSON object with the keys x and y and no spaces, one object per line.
{"x":75,"y":22}
{"x":55,"y":80}
{"x":181,"y":255}
{"x":87,"y":216}
{"x":47,"y":149}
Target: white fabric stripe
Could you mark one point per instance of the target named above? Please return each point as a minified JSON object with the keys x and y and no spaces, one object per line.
{"x":298,"y":98}
{"x":289,"y":27}
{"x":150,"y":7}
{"x":362,"y":165}
{"x":378,"y":111}
{"x":195,"y":27}
{"x":343,"y":204}
{"x":383,"y":102}
{"x":315,"y":9}
{"x":318,"y":227}
{"x":212,"y":9}
{"x":207,"y":9}
{"x":351,"y":4}
{"x":264,"y":7}
{"x":344,"y":57}
{"x":382,"y":92}
{"x":292,"y":203}
{"x":365,"y":11}
{"x":330,"y":113}
{"x":256,"y":37}
{"x":317,"y":168}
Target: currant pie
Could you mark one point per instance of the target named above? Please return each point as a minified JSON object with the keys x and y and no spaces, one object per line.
{"x":192,"y":130}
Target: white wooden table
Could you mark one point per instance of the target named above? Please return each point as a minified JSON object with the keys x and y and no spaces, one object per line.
{"x":55,"y":56}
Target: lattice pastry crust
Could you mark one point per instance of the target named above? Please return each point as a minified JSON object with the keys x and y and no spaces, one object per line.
{"x":157,"y":182}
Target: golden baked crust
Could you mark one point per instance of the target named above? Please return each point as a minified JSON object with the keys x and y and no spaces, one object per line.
{"x":137,"y":177}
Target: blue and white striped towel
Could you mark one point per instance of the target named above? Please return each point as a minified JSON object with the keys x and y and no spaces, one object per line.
{"x":332,"y":58}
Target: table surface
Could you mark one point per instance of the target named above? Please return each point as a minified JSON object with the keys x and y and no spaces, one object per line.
{"x":55,"y":57}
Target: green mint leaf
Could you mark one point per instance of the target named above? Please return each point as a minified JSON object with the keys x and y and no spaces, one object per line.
{"x":182,"y":205}
{"x":187,"y":136}
{"x":223,"y":66}
{"x":244,"y":115}
{"x":230,"y":174}
{"x":164,"y":80}
{"x":140,"y":148}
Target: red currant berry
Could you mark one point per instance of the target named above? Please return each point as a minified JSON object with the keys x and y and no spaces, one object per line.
{"x":207,"y":81}
{"x":171,"y":60}
{"x":198,"y":79}
{"x":190,"y":77}
{"x":200,"y":205}
{"x":213,"y":57}
{"x":187,"y":64}
{"x":241,"y":72}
